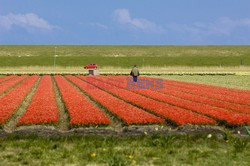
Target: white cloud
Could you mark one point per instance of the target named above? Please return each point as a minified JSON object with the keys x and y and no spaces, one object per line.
{"x":223,"y":26}
{"x":27,"y":21}
{"x":123,"y":17}
{"x":99,"y":25}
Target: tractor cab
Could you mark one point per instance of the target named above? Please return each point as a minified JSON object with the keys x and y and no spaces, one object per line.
{"x":92,"y":68}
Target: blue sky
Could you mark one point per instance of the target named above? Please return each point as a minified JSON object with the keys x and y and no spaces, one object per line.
{"x":125,"y":22}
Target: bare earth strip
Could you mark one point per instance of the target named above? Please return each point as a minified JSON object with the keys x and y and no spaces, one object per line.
{"x":63,"y":115}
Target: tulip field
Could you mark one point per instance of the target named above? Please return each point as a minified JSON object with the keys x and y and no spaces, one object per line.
{"x":102,"y":101}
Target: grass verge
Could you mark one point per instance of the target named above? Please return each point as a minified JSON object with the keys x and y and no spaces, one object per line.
{"x":137,"y":150}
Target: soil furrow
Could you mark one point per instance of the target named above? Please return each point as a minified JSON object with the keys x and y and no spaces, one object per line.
{"x":63,"y":115}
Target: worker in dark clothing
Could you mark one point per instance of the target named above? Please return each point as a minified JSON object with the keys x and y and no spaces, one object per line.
{"x":135,"y":73}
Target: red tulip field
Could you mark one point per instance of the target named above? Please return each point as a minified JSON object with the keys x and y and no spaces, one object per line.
{"x":107,"y":101}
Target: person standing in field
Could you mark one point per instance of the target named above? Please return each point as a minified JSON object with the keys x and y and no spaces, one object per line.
{"x":135,"y":73}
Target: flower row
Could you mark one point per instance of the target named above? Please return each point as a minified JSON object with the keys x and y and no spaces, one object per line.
{"x":218,"y":93}
{"x":238,"y":97}
{"x":126,"y":112}
{"x":43,"y":107}
{"x":177,"y":115}
{"x":80,"y":109}
{"x":10,"y":83}
{"x":211,"y":88}
{"x":198,"y":96}
{"x":231,"y":99}
{"x":230,"y":117}
{"x":4,"y":78}
{"x":204,"y":100}
{"x":10,"y":102}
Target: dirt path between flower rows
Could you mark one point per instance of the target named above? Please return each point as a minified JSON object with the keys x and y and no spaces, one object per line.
{"x":52,"y":131}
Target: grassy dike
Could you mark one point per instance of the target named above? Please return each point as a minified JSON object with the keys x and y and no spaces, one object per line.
{"x":137,"y":150}
{"x":125,"y":56}
{"x":124,"y":62}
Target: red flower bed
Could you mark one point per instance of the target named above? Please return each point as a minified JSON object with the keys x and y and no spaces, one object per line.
{"x":211,"y":88}
{"x":180,"y":102}
{"x":6,"y":78}
{"x":232,"y":118}
{"x":209,"y":101}
{"x":240,"y":97}
{"x":200,"y":92}
{"x":128,"y":113}
{"x":214,"y":92}
{"x":177,"y":115}
{"x":81,"y":110}
{"x":8,"y":84}
{"x":43,"y":108}
{"x":174,"y":91}
{"x":12,"y":100}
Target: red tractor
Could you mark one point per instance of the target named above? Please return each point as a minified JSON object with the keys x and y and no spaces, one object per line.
{"x":91,"y":66}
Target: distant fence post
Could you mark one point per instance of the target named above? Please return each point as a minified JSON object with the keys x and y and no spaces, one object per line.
{"x":241,"y":62}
